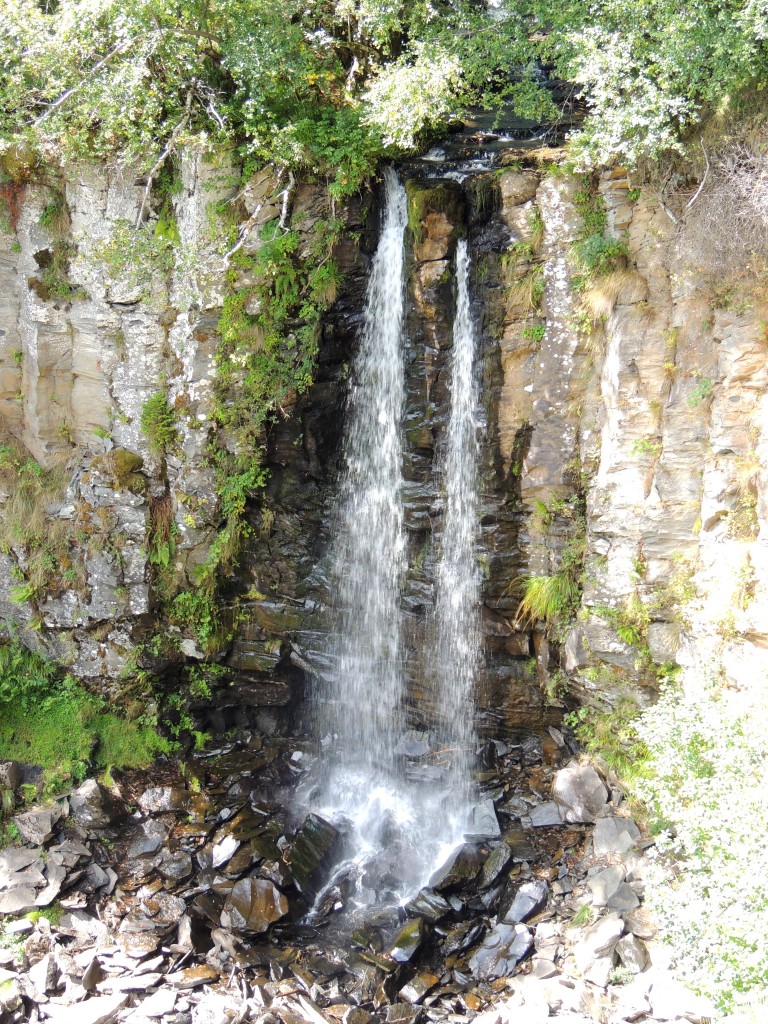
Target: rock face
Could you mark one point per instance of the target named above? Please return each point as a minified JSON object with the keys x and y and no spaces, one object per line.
{"x":626,"y":425}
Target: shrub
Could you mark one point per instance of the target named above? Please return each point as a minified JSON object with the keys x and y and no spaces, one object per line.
{"x":707,"y":790}
{"x":158,"y":423}
{"x":548,"y":598}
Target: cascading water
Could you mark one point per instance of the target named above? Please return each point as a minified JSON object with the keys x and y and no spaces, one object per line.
{"x":456,"y":626}
{"x":368,"y":559}
{"x":399,"y":829}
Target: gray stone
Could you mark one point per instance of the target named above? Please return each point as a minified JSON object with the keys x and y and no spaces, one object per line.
{"x":529,"y":898}
{"x":546,"y":814}
{"x":18,"y":901}
{"x":224,"y":850}
{"x":93,"y":807}
{"x":97,"y":1010}
{"x":604,"y":884}
{"x":55,"y":876}
{"x":160,"y":799}
{"x":413,"y":744}
{"x":580,"y":791}
{"x":428,"y":904}
{"x":632,"y":953}
{"x":614,"y":835}
{"x":149,"y":838}
{"x":36,"y":826}
{"x":483,"y":823}
{"x":597,"y":943}
{"x":502,"y":949}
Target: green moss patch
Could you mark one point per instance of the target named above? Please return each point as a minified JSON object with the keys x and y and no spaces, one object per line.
{"x":447,"y":198}
{"x":47,"y":718}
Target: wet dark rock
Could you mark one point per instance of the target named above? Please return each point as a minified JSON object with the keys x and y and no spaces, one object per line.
{"x":407,"y":940}
{"x":462,"y":866}
{"x":149,"y":838}
{"x":252,"y":905}
{"x":94,"y":807}
{"x":428,"y":904}
{"x":418,"y":987}
{"x":193,"y":977}
{"x":224,"y":850}
{"x":502,"y":949}
{"x":314,"y":851}
{"x":532,"y":751}
{"x":580,"y":792}
{"x":175,"y":866}
{"x":521,"y":846}
{"x":529,"y":898}
{"x":402,"y":1013}
{"x":462,"y":937}
{"x":495,"y":865}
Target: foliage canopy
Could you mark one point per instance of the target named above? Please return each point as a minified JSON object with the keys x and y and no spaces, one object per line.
{"x":334,"y":84}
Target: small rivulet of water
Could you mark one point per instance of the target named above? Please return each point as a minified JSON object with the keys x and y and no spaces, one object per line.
{"x":456,"y":628}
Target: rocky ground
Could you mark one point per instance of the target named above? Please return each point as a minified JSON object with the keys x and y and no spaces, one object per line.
{"x":186,"y":902}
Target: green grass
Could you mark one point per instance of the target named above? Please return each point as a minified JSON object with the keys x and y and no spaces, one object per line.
{"x":548,"y":598}
{"x":49,"y":719}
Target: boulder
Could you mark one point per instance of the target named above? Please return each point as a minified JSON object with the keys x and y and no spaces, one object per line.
{"x":580,"y":792}
{"x":92,"y":806}
{"x":407,"y":941}
{"x":36,"y":826}
{"x":314,"y":852}
{"x":529,"y":898}
{"x":614,"y":835}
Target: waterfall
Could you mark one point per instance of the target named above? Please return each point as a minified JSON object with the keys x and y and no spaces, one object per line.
{"x":368,"y":556}
{"x":400,"y":825}
{"x":456,"y":629}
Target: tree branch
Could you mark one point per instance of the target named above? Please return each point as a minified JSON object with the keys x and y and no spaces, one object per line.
{"x":165,"y":154}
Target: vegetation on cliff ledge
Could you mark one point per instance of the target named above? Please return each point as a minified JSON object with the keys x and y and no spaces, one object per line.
{"x":333,"y":84}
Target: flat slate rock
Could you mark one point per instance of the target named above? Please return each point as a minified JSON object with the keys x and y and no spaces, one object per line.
{"x":614,"y":835}
{"x":502,"y":949}
{"x":253,"y":905}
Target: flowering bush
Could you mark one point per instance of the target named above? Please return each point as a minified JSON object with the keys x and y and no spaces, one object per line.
{"x":708,"y":790}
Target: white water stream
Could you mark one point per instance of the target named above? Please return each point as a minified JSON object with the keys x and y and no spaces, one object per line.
{"x":399,"y":829}
{"x":457,"y":625}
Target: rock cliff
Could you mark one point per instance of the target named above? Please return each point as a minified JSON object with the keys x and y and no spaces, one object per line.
{"x":626,"y":432}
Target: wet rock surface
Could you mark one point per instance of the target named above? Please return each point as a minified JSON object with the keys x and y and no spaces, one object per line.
{"x":199,"y":910}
